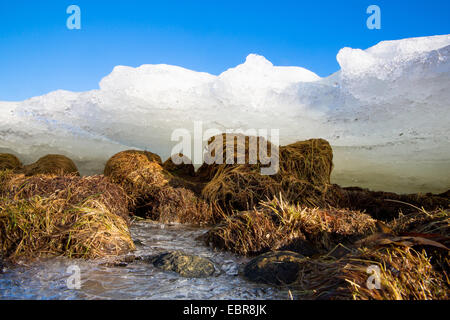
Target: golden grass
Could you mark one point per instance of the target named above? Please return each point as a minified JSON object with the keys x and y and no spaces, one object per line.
{"x":138,"y":172}
{"x":310,"y":160}
{"x":239,"y":188}
{"x":41,"y":227}
{"x":277,"y":224}
{"x":239,"y":154}
{"x":9,"y":162}
{"x":141,"y":175}
{"x":246,"y":233}
{"x":409,"y":265}
{"x":182,"y":206}
{"x":431,"y":226}
{"x":435,"y":222}
{"x":48,"y":215}
{"x":404,"y":274}
{"x":304,"y":174}
{"x":72,"y":189}
{"x":52,"y":164}
{"x":154,"y":192}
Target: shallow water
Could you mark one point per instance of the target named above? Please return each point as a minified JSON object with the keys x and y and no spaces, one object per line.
{"x":47,"y":278}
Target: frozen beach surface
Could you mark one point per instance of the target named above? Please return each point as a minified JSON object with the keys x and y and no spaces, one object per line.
{"x":385,"y":112}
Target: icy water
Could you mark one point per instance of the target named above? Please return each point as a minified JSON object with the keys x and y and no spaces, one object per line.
{"x":47,"y":279}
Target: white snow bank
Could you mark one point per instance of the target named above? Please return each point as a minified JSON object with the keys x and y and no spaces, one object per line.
{"x":386,"y":112}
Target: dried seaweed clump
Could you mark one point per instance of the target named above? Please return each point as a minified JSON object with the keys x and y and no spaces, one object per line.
{"x":423,"y":222}
{"x":42,"y":227}
{"x":407,"y":260}
{"x":310,"y":160}
{"x":233,"y":150}
{"x":239,"y":188}
{"x":52,"y":164}
{"x":139,"y":172}
{"x":72,"y":189}
{"x":182,"y":206}
{"x":303,"y":176}
{"x":433,"y":226}
{"x":379,"y":273}
{"x":155,"y":192}
{"x":48,"y":215}
{"x":9,"y":162}
{"x":276,"y":225}
{"x":246,"y":233}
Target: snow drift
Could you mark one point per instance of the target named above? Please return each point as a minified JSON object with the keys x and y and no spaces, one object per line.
{"x":386,"y":112}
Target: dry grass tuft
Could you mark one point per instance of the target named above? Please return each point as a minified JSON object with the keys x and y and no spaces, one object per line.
{"x":138,"y":172}
{"x":304,"y":174}
{"x":156,"y":193}
{"x":40,"y":227}
{"x":9,"y":162}
{"x":404,"y":274}
{"x":432,"y":227}
{"x":409,"y":256}
{"x":302,"y":192}
{"x":324,"y":228}
{"x":310,"y":161}
{"x":239,"y":154}
{"x":246,"y":233}
{"x":435,"y":222}
{"x":182,"y":206}
{"x":48,"y":215}
{"x":239,"y":188}
{"x":278,"y":225}
{"x":72,"y":189}
{"x":52,"y":164}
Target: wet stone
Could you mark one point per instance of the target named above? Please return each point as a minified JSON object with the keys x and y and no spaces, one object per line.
{"x":275,"y":268}
{"x":188,"y":266}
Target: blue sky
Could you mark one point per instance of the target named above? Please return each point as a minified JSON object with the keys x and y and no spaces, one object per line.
{"x":38,"y":54}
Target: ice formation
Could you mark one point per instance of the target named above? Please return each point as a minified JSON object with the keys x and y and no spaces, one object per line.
{"x":386,"y":112}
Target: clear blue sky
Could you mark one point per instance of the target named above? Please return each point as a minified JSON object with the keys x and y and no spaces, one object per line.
{"x":38,"y":54}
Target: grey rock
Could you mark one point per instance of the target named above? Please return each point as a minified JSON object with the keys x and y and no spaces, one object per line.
{"x":186,"y":265}
{"x":275,"y":268}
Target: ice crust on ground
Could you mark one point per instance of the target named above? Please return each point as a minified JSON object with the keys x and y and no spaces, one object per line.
{"x":386,"y":112}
